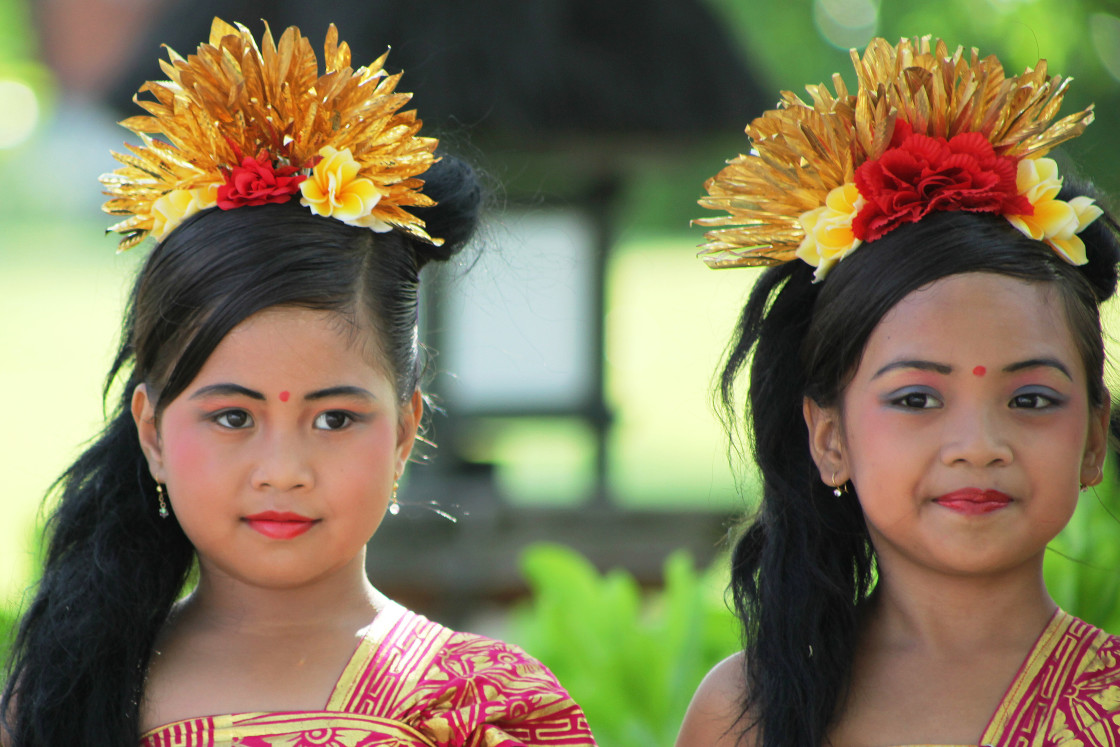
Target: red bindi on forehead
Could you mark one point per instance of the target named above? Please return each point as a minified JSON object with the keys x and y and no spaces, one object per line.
{"x":979,"y":371}
{"x":284,"y":395}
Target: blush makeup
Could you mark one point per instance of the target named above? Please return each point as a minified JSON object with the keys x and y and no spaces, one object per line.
{"x":281,"y":525}
{"x":973,"y":501}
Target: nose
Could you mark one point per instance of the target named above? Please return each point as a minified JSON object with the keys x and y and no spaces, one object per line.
{"x":974,"y":436}
{"x":282,"y":462}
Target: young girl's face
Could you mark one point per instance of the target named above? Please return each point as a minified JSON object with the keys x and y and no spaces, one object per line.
{"x":966,"y":429}
{"x":279,"y":458}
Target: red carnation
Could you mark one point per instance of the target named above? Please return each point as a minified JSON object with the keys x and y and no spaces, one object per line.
{"x":919,"y":174}
{"x":257,"y":182}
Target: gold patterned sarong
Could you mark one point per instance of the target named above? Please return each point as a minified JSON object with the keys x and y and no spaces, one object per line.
{"x":416,"y":683}
{"x":1066,"y":693}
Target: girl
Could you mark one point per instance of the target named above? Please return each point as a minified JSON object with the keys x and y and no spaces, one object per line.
{"x":926,"y":398}
{"x":270,"y":405}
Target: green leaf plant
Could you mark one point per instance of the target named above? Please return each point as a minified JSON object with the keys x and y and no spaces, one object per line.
{"x":631,"y":658}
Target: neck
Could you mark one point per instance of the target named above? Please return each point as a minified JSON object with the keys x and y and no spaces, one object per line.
{"x":920,"y":608}
{"x":344,"y":598}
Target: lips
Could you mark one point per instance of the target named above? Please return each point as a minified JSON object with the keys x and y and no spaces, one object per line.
{"x":973,"y":501}
{"x":279,"y":524}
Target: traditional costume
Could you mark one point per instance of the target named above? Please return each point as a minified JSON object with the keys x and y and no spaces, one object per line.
{"x":1066,"y":693}
{"x":927,"y":130}
{"x":411,"y":682}
{"x":240,"y":125}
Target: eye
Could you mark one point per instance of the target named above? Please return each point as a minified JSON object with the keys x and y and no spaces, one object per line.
{"x":1033,"y":401}
{"x":234,"y":419}
{"x":333,"y":420}
{"x":916,"y":400}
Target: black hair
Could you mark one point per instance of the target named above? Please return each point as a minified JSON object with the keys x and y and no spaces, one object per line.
{"x":113,"y":568}
{"x":804,"y":561}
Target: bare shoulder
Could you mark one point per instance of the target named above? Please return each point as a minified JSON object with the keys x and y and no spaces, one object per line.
{"x":712,"y":719}
{"x":7,"y":722}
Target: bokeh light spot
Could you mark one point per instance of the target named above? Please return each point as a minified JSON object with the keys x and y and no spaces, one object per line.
{"x":1104,"y":30}
{"x":19,"y":112}
{"x":846,"y":23}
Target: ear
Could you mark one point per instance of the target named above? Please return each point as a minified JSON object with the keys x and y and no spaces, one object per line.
{"x":144,"y":415}
{"x":1096,"y":445}
{"x":411,"y":413}
{"x":826,"y":442}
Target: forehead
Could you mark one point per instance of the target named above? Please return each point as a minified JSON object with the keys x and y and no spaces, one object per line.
{"x":304,"y":345}
{"x":975,"y":319}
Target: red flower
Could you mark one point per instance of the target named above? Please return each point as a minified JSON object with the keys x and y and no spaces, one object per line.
{"x":919,"y":174}
{"x":257,"y":182}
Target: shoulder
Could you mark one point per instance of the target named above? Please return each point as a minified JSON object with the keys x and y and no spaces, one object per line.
{"x":7,"y":721}
{"x":713,"y":716}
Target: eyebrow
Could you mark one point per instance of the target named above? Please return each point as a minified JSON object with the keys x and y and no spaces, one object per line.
{"x":238,"y":390}
{"x":1039,"y":363}
{"x":940,"y":368}
{"x":944,"y":369}
{"x":227,"y":390}
{"x":340,"y":391}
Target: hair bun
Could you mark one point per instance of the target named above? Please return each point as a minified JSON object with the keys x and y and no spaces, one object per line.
{"x":457,"y":190}
{"x":1102,"y":240}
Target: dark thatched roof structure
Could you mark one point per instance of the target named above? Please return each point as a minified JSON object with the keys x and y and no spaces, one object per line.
{"x":516,"y":69}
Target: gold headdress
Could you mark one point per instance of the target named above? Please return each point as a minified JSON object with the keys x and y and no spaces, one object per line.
{"x":242,"y":125}
{"x":925,"y":131}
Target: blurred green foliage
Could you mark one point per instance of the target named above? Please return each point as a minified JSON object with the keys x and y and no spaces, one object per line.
{"x":16,"y":40}
{"x":631,"y":660}
{"x":8,"y":620}
{"x":1082,"y":568}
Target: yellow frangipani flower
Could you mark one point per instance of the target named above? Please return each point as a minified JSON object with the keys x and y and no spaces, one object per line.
{"x":828,"y":229}
{"x":178,"y":205}
{"x":1054,"y":221}
{"x":335,"y":190}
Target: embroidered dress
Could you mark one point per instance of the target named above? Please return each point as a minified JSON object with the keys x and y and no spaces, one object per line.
{"x":1066,"y":694}
{"x":411,"y":682}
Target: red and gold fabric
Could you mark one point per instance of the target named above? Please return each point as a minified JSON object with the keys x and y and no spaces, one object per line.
{"x":416,"y":683}
{"x":1066,"y":693}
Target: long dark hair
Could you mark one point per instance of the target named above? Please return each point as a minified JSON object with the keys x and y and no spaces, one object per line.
{"x":804,"y":561}
{"x":113,"y":567}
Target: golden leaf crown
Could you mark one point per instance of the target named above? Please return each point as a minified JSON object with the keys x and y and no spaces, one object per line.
{"x":237,"y":124}
{"x":797,"y":192}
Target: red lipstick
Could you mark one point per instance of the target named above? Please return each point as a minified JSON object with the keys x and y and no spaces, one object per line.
{"x":279,"y":524}
{"x":973,"y":501}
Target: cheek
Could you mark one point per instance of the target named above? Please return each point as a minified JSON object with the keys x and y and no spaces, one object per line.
{"x":872,"y":439}
{"x":370,"y":457}
{"x":880,"y":473}
{"x":188,"y":454}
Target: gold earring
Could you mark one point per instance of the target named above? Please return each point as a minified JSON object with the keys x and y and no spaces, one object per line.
{"x":394,"y":506}
{"x":163,"y":512}
{"x":837,"y":488}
